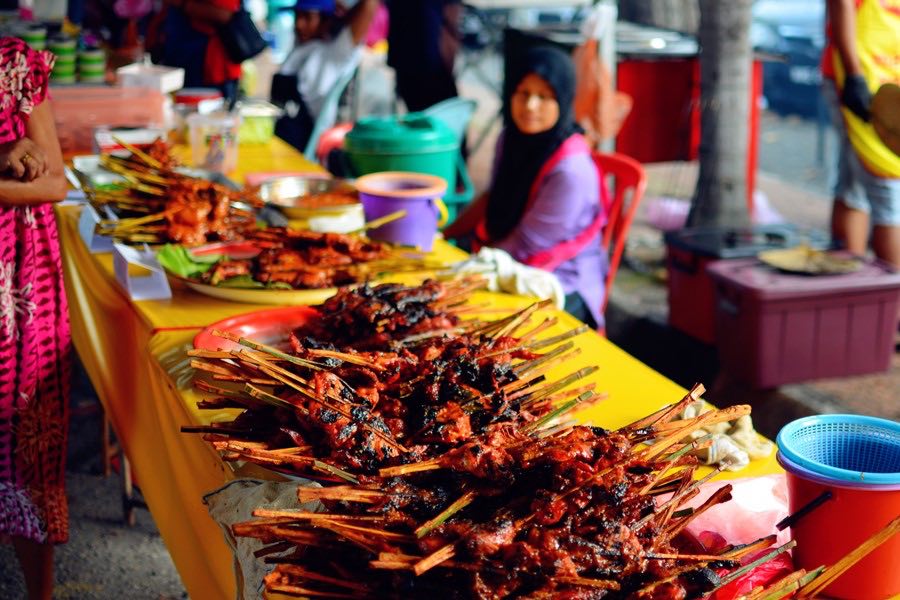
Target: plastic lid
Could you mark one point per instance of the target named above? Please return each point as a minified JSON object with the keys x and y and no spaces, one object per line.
{"x":258,"y":108}
{"x":219,"y":119}
{"x":729,"y":242}
{"x":196,"y":95}
{"x":411,"y":133}
{"x":764,"y":283}
{"x":401,"y":184}
{"x":62,"y":42}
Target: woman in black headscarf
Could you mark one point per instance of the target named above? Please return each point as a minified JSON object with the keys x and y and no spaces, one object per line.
{"x":544,"y":206}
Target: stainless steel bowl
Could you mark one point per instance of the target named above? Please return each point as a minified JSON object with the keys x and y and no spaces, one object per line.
{"x":287,"y":193}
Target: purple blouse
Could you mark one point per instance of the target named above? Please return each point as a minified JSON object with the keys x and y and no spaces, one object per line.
{"x":566,"y":203}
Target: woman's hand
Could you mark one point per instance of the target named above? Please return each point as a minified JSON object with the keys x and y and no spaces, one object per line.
{"x":23,"y":160}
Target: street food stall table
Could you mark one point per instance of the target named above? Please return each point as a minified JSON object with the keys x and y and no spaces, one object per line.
{"x":135,"y":355}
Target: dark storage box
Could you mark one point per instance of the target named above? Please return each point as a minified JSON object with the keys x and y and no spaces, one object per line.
{"x":774,"y":328}
{"x":688,"y":251}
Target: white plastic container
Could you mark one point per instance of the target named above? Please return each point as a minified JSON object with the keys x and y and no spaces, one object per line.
{"x":49,"y":10}
{"x":214,"y":141}
{"x":164,"y":79}
{"x":105,"y":138}
{"x":189,"y":101}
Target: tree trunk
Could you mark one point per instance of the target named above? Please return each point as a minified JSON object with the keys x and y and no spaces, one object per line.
{"x":680,"y":15}
{"x":725,"y":67}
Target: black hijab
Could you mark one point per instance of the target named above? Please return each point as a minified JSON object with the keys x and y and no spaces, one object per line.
{"x":524,"y":154}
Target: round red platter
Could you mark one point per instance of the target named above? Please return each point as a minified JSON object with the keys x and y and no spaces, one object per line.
{"x":271,"y":327}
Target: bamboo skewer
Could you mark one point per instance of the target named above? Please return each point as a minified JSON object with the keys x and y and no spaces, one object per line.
{"x":752,"y":565}
{"x":723,"y":494}
{"x":374,"y":224}
{"x":546,"y":324}
{"x":445,"y":514}
{"x":426,"y":465}
{"x":340,"y":493}
{"x":603,"y":584}
{"x":739,"y":552}
{"x":556,"y":386}
{"x":672,"y":437}
{"x":528,"y":368}
{"x":352,"y":585}
{"x":149,"y":160}
{"x":434,"y":559}
{"x":266,"y":349}
{"x":665,"y":413}
{"x":786,"y":587}
{"x":677,"y":499}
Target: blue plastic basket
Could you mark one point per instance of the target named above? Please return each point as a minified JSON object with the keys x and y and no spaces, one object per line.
{"x":849,"y":448}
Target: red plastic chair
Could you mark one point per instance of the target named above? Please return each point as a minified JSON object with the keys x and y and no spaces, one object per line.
{"x":630,"y":182}
{"x":331,"y":139}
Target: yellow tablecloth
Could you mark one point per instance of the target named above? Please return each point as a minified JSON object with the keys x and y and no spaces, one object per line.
{"x":134,"y":353}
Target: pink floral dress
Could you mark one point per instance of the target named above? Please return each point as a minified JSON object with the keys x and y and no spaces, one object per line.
{"x":34,"y":332}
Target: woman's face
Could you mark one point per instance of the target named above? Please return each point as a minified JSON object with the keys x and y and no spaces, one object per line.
{"x":534,"y":107}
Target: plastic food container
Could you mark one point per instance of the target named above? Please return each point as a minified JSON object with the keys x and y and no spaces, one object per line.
{"x":162,"y":79}
{"x":191,"y":101}
{"x":214,"y":141}
{"x":62,"y":47}
{"x":64,"y":59}
{"x":419,"y":195}
{"x":78,"y":111}
{"x":92,"y":56}
{"x":92,"y":78}
{"x":106,"y":140}
{"x":258,"y":121}
{"x":62,"y":79}
{"x":63,"y":69}
{"x":35,"y":36}
{"x":91,"y":70}
{"x":690,"y":250}
{"x":849,"y":467}
{"x":775,"y":328}
{"x":415,"y":143}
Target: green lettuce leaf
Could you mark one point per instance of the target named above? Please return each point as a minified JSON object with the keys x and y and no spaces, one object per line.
{"x":179,"y":260}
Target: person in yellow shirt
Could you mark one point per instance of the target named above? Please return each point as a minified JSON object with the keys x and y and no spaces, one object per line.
{"x":863,"y":55}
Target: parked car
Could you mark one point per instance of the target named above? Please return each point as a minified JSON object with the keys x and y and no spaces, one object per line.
{"x":793,"y":32}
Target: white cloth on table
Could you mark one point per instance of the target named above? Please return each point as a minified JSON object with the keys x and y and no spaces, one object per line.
{"x":505,"y":274}
{"x":319,"y":64}
{"x":235,"y":503}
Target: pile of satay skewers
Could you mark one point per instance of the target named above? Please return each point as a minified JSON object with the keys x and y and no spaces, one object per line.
{"x":158,"y":204}
{"x":299,"y":259}
{"x":537,"y":511}
{"x":386,"y":375}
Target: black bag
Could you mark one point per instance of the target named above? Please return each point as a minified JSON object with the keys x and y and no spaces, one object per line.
{"x":241,"y":38}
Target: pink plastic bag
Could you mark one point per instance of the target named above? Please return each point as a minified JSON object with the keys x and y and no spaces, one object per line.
{"x":757,"y":504}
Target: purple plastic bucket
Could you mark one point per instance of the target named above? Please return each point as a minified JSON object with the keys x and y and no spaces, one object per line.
{"x":418,"y":194}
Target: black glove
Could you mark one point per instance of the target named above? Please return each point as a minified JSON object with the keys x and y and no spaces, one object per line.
{"x":856,"y":96}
